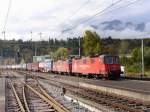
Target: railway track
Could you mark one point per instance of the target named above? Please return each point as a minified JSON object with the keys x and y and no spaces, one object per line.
{"x":13,"y":102}
{"x":117,"y":102}
{"x":28,"y":96}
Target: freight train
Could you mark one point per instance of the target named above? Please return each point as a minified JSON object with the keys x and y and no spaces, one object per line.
{"x":105,"y":66}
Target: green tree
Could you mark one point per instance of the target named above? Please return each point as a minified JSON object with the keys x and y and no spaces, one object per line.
{"x":92,"y":44}
{"x":147,"y":56}
{"x":124,"y":47}
{"x":53,"y":55}
{"x":27,"y":55}
{"x":136,"y":55}
{"x":62,"y":53}
{"x":22,"y":61}
{"x":126,"y":61}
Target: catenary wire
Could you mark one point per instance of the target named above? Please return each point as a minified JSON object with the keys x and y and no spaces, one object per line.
{"x":7,"y":15}
{"x":98,"y":13}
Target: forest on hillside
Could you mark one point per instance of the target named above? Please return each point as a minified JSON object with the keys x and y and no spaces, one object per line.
{"x":128,"y":49}
{"x":26,"y":49}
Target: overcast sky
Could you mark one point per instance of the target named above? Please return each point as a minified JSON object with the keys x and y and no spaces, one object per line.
{"x":54,"y":18}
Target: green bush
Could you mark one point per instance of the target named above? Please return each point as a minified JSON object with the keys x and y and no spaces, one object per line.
{"x":135,"y":68}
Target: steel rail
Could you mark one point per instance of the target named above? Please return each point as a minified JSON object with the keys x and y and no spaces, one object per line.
{"x":49,"y":97}
{"x":55,"y":105}
{"x":53,"y":100}
{"x":25,"y":101}
{"x":17,"y":98}
{"x":114,"y":103}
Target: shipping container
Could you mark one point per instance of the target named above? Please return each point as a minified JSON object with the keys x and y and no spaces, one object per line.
{"x":35,"y":67}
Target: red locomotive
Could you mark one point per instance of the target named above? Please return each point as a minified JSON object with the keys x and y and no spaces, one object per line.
{"x":100,"y":66}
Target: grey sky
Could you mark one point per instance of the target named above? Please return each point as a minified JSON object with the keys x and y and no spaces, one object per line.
{"x":51,"y":17}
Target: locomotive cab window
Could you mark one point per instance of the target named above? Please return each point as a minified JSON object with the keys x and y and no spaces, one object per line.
{"x":116,"y":60}
{"x":84,"y":61}
{"x":108,"y":60}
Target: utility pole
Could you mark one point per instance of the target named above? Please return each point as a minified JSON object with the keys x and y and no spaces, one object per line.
{"x":3,"y":32}
{"x":79,"y":47}
{"x":34,"y":44}
{"x":31,"y":35}
{"x":142,"y":47}
{"x":40,"y":36}
{"x":35,"y":51}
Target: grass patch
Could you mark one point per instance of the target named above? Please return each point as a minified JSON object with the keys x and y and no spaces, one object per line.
{"x":135,"y":71}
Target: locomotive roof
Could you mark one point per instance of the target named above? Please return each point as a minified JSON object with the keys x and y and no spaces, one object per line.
{"x":106,"y":55}
{"x":101,"y":56}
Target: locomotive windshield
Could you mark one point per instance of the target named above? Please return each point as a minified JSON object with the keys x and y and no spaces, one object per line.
{"x":111,"y":60}
{"x":108,"y":60}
